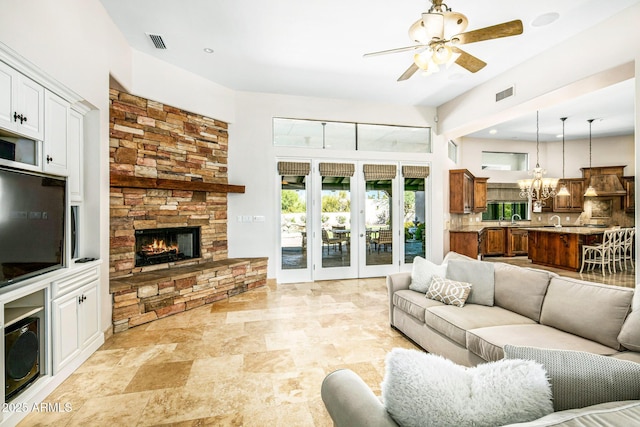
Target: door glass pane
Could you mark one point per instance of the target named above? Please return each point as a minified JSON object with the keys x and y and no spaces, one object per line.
{"x":293,"y":222}
{"x":414,"y":220}
{"x":378,"y":222}
{"x":336,"y":221}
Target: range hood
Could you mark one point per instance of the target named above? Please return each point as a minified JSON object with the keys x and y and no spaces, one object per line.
{"x":605,"y":180}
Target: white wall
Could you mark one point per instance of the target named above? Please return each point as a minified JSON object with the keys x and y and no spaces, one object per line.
{"x":611,"y":151}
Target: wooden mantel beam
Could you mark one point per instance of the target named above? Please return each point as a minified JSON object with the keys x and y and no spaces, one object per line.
{"x":173,"y":184}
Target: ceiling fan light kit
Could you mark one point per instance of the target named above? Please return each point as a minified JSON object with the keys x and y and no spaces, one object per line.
{"x":439,"y":32}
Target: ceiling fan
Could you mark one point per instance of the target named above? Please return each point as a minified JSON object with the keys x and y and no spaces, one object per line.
{"x":439,"y":32}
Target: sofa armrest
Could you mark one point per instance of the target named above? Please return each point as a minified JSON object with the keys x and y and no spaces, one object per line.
{"x":396,"y":282}
{"x":351,"y":403}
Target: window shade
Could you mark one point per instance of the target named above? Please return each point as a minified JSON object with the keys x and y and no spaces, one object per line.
{"x":293,"y":168}
{"x":337,"y":169}
{"x":415,"y":171}
{"x":377,"y":172}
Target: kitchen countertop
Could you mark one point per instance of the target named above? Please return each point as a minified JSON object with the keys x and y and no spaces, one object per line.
{"x":479,"y":228}
{"x":569,"y":230}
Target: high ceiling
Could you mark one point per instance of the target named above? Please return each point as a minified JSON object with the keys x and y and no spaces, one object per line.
{"x":315,"y":48}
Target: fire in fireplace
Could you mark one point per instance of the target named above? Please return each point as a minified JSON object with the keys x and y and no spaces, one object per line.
{"x":161,"y":245}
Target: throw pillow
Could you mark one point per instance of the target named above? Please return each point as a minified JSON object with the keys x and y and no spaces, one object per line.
{"x":422,"y":389}
{"x":448,"y":291}
{"x":479,"y":274}
{"x":580,"y":379}
{"x":421,"y":273}
{"x":630,"y":333}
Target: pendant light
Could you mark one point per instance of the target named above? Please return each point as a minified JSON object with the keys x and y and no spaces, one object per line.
{"x":591,"y":192}
{"x":563,"y":189}
{"x":538,"y":188}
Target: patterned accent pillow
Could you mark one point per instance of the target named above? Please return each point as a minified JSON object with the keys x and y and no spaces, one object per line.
{"x":448,"y":291}
{"x":580,"y":379}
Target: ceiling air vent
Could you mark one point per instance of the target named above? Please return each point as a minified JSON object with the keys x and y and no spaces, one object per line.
{"x":505,"y":94}
{"x":157,"y":41}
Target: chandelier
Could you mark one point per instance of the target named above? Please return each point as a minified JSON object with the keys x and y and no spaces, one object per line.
{"x":538,"y":188}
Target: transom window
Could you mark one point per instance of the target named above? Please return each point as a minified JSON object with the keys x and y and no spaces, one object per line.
{"x":492,"y":160}
{"x":328,"y":135}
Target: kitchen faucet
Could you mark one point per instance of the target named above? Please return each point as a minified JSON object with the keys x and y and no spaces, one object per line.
{"x":558,"y":224}
{"x":513,"y":218}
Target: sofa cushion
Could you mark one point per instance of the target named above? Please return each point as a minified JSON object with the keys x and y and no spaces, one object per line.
{"x":587,"y":309}
{"x":425,"y":389}
{"x":489,"y":342}
{"x":454,"y":322}
{"x":448,"y":291}
{"x":580,"y":379}
{"x":479,"y":274}
{"x":625,"y":413}
{"x":629,"y":336}
{"x":413,"y":303}
{"x":520,"y":289}
{"x":421,"y":273}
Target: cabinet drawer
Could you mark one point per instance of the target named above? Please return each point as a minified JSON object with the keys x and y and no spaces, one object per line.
{"x":73,"y":281}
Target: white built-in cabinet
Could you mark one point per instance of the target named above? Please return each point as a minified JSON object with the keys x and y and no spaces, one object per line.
{"x":46,"y":120}
{"x":75,"y":133}
{"x":75,"y":312}
{"x":21,"y":104}
{"x":56,"y":134}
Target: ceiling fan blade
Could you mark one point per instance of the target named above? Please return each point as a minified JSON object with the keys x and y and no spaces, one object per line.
{"x":506,"y":29}
{"x":468,"y":61}
{"x":399,"y":49}
{"x":410,"y":72}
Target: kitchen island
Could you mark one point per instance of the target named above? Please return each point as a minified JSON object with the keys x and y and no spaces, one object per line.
{"x":561,"y":247}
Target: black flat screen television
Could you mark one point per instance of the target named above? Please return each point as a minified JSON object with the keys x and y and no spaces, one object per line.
{"x":32,"y":224}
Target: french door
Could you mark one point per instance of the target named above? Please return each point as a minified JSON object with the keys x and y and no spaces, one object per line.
{"x":350,"y":219}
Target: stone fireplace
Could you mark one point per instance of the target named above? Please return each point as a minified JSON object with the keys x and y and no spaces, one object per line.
{"x":168,"y":213}
{"x":164,"y":245}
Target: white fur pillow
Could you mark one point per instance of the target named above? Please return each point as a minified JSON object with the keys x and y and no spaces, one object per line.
{"x":422,"y":272}
{"x":422,"y":389}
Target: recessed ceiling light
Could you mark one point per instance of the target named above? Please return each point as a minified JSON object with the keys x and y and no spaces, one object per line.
{"x":559,"y":135}
{"x":545,"y":19}
{"x":208,"y":50}
{"x":493,"y":131}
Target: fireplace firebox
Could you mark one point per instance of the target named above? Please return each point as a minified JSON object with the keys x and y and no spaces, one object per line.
{"x":162,"y":245}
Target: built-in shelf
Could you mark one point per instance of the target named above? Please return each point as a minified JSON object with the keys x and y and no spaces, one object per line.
{"x":173,"y":184}
{"x":15,"y":314}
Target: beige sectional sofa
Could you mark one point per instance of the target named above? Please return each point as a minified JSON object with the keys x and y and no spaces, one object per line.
{"x":531,"y":308}
{"x":528,"y":308}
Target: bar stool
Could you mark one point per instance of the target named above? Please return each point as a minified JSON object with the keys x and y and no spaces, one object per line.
{"x":600,"y":255}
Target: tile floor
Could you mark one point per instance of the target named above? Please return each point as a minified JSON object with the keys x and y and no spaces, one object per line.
{"x":257,"y":359}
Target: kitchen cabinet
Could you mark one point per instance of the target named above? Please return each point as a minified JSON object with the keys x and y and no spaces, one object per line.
{"x":556,"y":248}
{"x":467,"y":193}
{"x":75,"y":318}
{"x":575,"y":200}
{"x":480,"y":194}
{"x":492,"y":241}
{"x":629,"y":200}
{"x":56,"y":137}
{"x":464,"y":242}
{"x":21,"y":104}
{"x":517,"y":242}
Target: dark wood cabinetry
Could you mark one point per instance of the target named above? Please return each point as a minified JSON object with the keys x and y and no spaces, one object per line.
{"x":556,"y":249}
{"x":575,"y":200}
{"x":629,"y":184}
{"x":492,"y":241}
{"x":467,"y":193}
{"x":517,"y":242}
{"x":465,"y":243}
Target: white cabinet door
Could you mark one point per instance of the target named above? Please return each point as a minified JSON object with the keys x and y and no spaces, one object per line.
{"x":21,"y":104}
{"x":66,"y":334}
{"x":89,"y":313}
{"x":7,"y":86}
{"x":29,"y":98}
{"x":75,"y":143}
{"x":56,"y":134}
